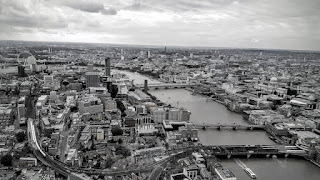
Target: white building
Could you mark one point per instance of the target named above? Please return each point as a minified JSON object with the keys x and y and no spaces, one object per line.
{"x":100,"y":134}
{"x":159,"y":115}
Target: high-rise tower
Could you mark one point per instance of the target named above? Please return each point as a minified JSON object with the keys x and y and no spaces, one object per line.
{"x":107,"y":66}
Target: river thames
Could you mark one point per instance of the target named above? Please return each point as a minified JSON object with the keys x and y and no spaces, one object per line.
{"x":213,"y":112}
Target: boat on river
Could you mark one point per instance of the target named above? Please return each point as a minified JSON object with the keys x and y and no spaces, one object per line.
{"x":250,"y":173}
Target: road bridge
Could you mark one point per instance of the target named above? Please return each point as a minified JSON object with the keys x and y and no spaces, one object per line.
{"x":230,"y":126}
{"x":166,"y":85}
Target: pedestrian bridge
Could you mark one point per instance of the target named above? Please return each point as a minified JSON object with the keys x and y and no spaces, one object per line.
{"x":166,"y":85}
{"x":219,"y":126}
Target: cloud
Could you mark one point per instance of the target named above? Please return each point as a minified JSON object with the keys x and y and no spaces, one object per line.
{"x":89,"y":6}
{"x":108,"y":11}
{"x":222,"y":23}
{"x":19,"y":15}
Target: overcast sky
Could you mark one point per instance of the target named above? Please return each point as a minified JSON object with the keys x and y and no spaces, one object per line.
{"x":283,"y":24}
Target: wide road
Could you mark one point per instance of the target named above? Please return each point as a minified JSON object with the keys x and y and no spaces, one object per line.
{"x":156,"y":172}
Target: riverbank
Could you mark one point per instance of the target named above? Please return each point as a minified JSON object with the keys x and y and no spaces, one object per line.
{"x":213,"y":112}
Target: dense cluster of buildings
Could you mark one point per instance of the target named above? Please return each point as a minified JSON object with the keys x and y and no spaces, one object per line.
{"x":91,"y":118}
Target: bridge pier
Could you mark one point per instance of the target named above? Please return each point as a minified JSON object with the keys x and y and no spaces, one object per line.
{"x":229,"y":156}
{"x":286,"y":155}
{"x":248,"y":156}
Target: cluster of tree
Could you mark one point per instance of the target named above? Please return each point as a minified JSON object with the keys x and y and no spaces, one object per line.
{"x":152,"y":96}
{"x":48,"y":132}
{"x":21,"y":136}
{"x":121,"y":150}
{"x":292,"y":92}
{"x":116,"y":131}
{"x":114,"y":90}
{"x":109,"y":162}
{"x":6,"y":160}
{"x":121,"y":107}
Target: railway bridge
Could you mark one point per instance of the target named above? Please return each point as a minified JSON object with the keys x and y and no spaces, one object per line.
{"x":228,"y":151}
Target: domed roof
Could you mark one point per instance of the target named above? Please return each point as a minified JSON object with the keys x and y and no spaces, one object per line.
{"x":311,"y":98}
{"x":273,"y":79}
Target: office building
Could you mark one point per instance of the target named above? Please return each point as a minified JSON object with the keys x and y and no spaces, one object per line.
{"x":90,"y":68}
{"x":185,"y":115}
{"x":92,"y":79}
{"x":21,"y":112}
{"x":21,"y":72}
{"x":28,"y":161}
{"x":91,"y":105}
{"x":100,"y":134}
{"x":174,"y":115}
{"x":108,"y":66}
{"x":110,"y":104}
{"x":25,"y":88}
{"x":48,"y":80}
{"x":6,"y":117}
{"x":159,"y":115}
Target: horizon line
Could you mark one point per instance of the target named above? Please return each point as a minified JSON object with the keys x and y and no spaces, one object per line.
{"x":174,"y":46}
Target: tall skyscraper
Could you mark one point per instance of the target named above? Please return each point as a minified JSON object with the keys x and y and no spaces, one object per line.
{"x":92,"y":79}
{"x":21,"y":72}
{"x":148,"y":54}
{"x":108,"y":64}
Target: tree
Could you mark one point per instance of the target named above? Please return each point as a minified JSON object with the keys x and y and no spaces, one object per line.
{"x":116,"y":131}
{"x":123,"y":151}
{"x":74,"y":109}
{"x":114,"y":90}
{"x":109,"y":162}
{"x":6,"y":160}
{"x":97,"y":166}
{"x":48,"y":132}
{"x":120,"y":106}
{"x":65,"y":83}
{"x":21,"y":136}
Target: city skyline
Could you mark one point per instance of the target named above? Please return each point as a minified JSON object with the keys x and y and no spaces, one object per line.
{"x":231,"y":24}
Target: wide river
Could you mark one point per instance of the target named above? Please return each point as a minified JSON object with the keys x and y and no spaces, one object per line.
{"x":213,"y":112}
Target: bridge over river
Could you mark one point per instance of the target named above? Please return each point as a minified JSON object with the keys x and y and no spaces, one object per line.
{"x":248,"y":150}
{"x":230,"y":126}
{"x":219,"y":151}
{"x":166,"y":85}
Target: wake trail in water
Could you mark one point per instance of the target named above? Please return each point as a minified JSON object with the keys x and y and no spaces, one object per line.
{"x":276,"y":159}
{"x":240,"y":163}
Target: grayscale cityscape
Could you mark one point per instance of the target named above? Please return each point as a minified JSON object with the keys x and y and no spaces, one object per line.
{"x":159,"y":90}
